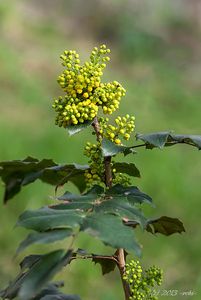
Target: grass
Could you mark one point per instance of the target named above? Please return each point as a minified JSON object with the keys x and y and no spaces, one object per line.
{"x":161,"y":96}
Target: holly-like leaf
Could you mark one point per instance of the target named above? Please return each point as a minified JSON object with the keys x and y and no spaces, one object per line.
{"x":111,"y":231}
{"x":166,"y":138}
{"x":111,"y":149}
{"x":107,"y":265}
{"x":73,"y":129}
{"x":131,"y":193}
{"x":165,"y":225}
{"x":47,"y":218}
{"x":127,"y":168}
{"x":42,"y":272}
{"x":45,"y":237}
{"x":18,"y":173}
{"x":120,"y":207}
{"x":84,"y":202}
{"x":89,"y":196}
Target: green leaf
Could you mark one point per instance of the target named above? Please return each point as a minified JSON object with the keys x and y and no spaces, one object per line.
{"x":127,"y":168}
{"x":47,"y":218}
{"x":111,"y":231}
{"x":107,"y":265}
{"x":165,"y":225}
{"x":42,"y":272}
{"x":45,"y":237}
{"x":166,"y":138}
{"x":89,"y":196}
{"x":12,"y":290}
{"x":131,"y":193}
{"x":120,"y":207}
{"x":84,"y":202}
{"x":51,"y":292}
{"x":73,"y":129}
{"x":111,"y":149}
{"x":18,"y":173}
{"x":29,"y":261}
{"x":157,"y":139}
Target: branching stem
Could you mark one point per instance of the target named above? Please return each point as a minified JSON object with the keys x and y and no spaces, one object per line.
{"x":120,"y":254}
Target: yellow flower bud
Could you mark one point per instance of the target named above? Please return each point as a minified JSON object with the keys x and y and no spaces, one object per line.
{"x":86,"y":95}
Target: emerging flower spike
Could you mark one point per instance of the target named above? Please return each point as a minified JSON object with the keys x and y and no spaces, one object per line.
{"x":142,"y":282}
{"x":85,"y":92}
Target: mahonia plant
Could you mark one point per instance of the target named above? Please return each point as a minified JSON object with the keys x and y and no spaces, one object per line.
{"x":108,"y":207}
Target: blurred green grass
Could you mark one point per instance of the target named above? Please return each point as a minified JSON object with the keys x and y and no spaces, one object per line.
{"x":163,"y":92}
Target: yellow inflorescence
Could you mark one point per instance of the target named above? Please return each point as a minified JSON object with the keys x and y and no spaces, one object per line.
{"x":85,"y":92}
{"x":142,"y":282}
{"x":95,"y":174}
{"x":124,"y":126}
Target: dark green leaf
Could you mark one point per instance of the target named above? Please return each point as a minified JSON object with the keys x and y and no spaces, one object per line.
{"x":12,"y":290}
{"x":120,"y":207}
{"x":42,"y":272}
{"x":18,"y":173}
{"x":45,"y":237}
{"x":161,"y":139}
{"x":29,"y":261}
{"x":157,"y":139}
{"x":73,"y":129}
{"x":84,"y":202}
{"x":127,"y":168}
{"x":165,"y":225}
{"x":47,"y":218}
{"x":132,"y":193}
{"x":107,"y":265}
{"x":111,"y":149}
{"x":89,"y":196}
{"x":111,"y":231}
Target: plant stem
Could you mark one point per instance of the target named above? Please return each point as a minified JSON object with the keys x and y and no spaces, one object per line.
{"x":121,"y":265}
{"x":121,"y":261}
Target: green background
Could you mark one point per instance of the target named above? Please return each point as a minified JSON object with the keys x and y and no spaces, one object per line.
{"x":156,"y":51}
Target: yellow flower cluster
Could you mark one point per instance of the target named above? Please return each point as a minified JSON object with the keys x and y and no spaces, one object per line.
{"x":95,"y":173}
{"x":124,"y":127}
{"x":142,"y":283}
{"x":85,"y":92}
{"x":120,"y":178}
